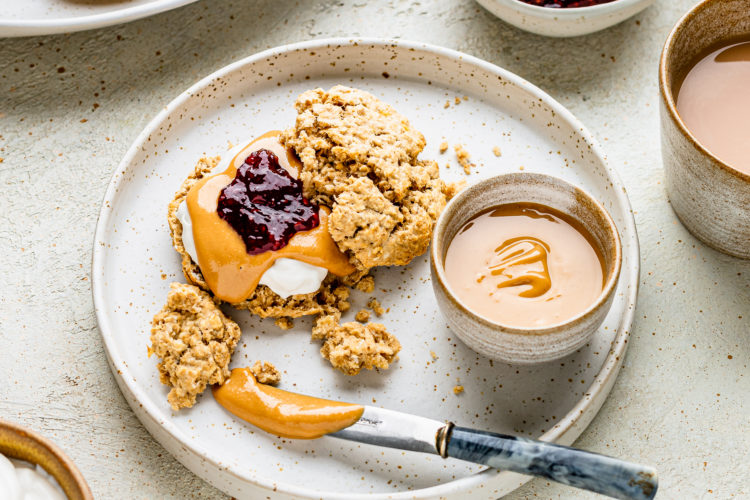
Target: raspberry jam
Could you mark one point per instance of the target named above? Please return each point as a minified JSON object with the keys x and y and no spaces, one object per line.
{"x":562,"y":4}
{"x":264,"y":204}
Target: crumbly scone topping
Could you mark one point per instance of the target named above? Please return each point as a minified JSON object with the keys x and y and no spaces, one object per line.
{"x":352,"y":346}
{"x":363,"y":316}
{"x":359,"y":157}
{"x":284,"y":323}
{"x":194,"y":341}
{"x":464,"y":158}
{"x":266,"y":373}
{"x":374,"y":304}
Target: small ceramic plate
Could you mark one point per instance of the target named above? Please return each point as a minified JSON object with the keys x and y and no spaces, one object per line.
{"x":447,"y":96}
{"x":47,"y":17}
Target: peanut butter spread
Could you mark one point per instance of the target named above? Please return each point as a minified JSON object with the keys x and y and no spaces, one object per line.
{"x":283,"y":413}
{"x":194,"y":341}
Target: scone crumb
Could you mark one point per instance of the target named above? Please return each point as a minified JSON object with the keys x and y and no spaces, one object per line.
{"x":375,"y":306}
{"x":463,"y":158}
{"x":352,"y":346}
{"x":443,"y":147}
{"x":434,"y":356}
{"x":447,"y":104}
{"x":497,"y":152}
{"x":453,"y":188}
{"x":284,"y":323}
{"x":194,"y":341}
{"x":363,"y":316}
{"x":366,"y":284}
{"x":458,"y":389}
{"x":457,"y":100}
{"x":266,"y":373}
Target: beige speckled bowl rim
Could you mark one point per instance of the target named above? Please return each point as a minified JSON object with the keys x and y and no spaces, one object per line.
{"x":21,"y":433}
{"x":578,"y":416}
{"x":575,"y":12}
{"x":668,"y":95}
{"x":437,"y":260}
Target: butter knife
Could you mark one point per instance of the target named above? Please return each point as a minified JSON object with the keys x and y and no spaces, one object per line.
{"x":577,"y":468}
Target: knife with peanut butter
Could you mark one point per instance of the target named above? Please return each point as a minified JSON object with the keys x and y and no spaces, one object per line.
{"x":296,"y":416}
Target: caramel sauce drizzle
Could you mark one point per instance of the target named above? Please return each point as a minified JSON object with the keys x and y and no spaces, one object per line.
{"x":230,"y":272}
{"x":523,"y":254}
{"x":283,"y":413}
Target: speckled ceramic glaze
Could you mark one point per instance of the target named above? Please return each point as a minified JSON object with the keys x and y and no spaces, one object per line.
{"x":711,"y":198}
{"x":46,"y":17}
{"x":24,"y":444}
{"x":564,"y":22}
{"x":134,"y":263}
{"x":512,"y":344}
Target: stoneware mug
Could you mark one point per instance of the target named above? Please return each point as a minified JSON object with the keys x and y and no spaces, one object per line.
{"x":711,"y":198}
{"x":517,"y":345}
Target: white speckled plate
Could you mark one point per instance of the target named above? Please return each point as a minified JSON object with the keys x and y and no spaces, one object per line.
{"x":134,"y":263}
{"x":47,"y":17}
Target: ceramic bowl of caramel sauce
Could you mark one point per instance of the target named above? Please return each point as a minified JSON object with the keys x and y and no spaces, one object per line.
{"x":524,"y":267}
{"x":704,"y":81}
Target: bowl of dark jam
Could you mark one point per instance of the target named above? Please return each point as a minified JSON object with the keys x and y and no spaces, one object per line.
{"x":564,"y":18}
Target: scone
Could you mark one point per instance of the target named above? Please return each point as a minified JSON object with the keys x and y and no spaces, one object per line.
{"x":360,"y":157}
{"x":194,"y":341}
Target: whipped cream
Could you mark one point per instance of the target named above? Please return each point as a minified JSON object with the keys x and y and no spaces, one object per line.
{"x":285,"y":277}
{"x":24,"y":481}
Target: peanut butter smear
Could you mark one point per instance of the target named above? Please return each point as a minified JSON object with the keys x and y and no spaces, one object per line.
{"x":285,"y":414}
{"x":524,"y":265}
{"x":230,"y":272}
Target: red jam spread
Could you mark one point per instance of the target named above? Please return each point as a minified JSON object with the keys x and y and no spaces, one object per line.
{"x":264,"y":204}
{"x":564,"y":4}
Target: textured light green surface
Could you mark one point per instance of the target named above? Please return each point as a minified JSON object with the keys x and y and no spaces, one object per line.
{"x":70,"y":106}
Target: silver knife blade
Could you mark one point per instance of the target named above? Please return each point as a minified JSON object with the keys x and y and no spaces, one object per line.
{"x":393,"y":429}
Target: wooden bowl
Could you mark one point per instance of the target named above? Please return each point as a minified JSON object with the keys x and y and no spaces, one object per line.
{"x":24,"y":444}
{"x":524,"y":345}
{"x":710,"y":197}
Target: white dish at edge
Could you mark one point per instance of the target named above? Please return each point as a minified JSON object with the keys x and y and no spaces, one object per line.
{"x":48,"y":17}
{"x":134,"y":262}
{"x":564,"y":22}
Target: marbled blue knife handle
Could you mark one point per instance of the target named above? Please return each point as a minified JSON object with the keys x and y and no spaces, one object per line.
{"x":577,"y":468}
